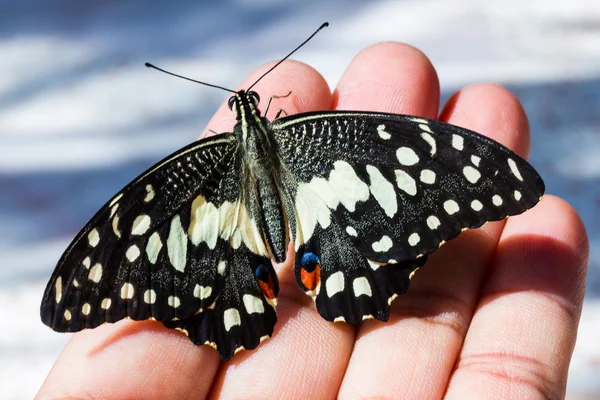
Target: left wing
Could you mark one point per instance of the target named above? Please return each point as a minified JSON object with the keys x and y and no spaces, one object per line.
{"x":176,"y":245}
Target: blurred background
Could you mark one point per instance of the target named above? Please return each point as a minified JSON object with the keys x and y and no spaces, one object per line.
{"x":80,"y":116}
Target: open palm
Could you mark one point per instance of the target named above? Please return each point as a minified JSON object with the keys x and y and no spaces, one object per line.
{"x":493,"y":314}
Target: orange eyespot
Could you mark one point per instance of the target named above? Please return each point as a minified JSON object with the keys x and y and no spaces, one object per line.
{"x":311,"y":279}
{"x":265,"y":281}
{"x":267,"y":288}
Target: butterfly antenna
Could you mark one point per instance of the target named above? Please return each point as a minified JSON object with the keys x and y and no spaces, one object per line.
{"x":324,"y":25}
{"x":188,"y":79}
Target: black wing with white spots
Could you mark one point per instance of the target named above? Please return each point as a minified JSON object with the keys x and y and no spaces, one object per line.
{"x":366,"y":197}
{"x":178,"y":244}
{"x":375,"y":193}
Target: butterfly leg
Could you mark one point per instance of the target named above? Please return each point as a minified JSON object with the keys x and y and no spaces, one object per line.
{"x":276,"y":97}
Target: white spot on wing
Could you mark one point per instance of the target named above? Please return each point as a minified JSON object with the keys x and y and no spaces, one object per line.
{"x":351,"y":231}
{"x":458,"y":142}
{"x":361,"y":286}
{"x":513,"y":167}
{"x":406,"y":182}
{"x":427,"y":176}
{"x":407,"y":156}
{"x":231,"y":318}
{"x":115,"y":199}
{"x":253,"y":304}
{"x":382,"y":133}
{"x":451,"y":207}
{"x":374,"y":264}
{"x":140,"y":225}
{"x":174,"y":301}
{"x":315,"y":200}
{"x":476,"y":205}
{"x":431,"y":141}
{"x":202,"y":292}
{"x":383,"y":244}
{"x":153,"y":247}
{"x":497,"y":200}
{"x":106,"y":303}
{"x":433,"y":222}
{"x":115,"y":226}
{"x":132,"y":253}
{"x":517,"y":195}
{"x":149,"y":296}
{"x":229,"y":221}
{"x":67,"y":315}
{"x":475,"y":160}
{"x":177,"y":245}
{"x":113,"y":210}
{"x":86,"y":308}
{"x":414,"y":239}
{"x":335,"y":283}
{"x":149,"y":194}
{"x":471,"y":174}
{"x":347,"y":186}
{"x":221,"y":267}
{"x":383,"y":191}
{"x":93,"y":237}
{"x":127,"y":291}
{"x":58,"y":289}
{"x":86,"y":262}
{"x":95,"y":273}
{"x":425,"y":127}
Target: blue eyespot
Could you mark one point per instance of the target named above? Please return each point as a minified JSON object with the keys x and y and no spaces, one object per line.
{"x":262,"y":273}
{"x":309,"y":260}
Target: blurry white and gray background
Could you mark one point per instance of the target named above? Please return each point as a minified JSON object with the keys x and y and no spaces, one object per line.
{"x":80,"y":115}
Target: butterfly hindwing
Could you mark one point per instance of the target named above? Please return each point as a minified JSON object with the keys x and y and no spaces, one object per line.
{"x":160,"y":249}
{"x":394,"y":188}
{"x":244,"y":314}
{"x":343,"y":283}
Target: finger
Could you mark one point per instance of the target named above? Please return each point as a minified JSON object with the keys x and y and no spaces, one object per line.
{"x":309,"y":355}
{"x":390,"y":77}
{"x":133,"y":358}
{"x":414,"y":352}
{"x":522,"y":335}
{"x":141,"y":359}
{"x":302,"y":342}
{"x":309,"y":92}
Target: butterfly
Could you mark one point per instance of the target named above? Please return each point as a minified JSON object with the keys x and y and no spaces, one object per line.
{"x":363,"y":196}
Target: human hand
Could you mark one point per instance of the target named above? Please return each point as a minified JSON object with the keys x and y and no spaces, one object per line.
{"x":493,"y":313}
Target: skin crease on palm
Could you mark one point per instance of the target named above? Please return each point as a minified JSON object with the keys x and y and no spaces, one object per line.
{"x":493,"y":314}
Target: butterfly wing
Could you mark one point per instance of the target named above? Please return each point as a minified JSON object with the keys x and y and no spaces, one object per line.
{"x":388,"y":189}
{"x":175,"y":244}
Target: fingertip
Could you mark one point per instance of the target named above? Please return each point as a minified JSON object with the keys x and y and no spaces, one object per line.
{"x":491,"y":110}
{"x":141,"y":358}
{"x":390,"y":77}
{"x":309,"y":91}
{"x":545,"y":250}
{"x":553,"y":219}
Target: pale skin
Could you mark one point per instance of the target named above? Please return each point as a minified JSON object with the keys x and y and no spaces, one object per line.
{"x":492,"y":315}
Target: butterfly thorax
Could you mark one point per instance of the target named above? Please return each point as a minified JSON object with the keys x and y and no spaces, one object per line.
{"x":260,"y":166}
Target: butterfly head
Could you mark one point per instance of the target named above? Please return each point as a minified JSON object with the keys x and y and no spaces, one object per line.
{"x":244,"y":104}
